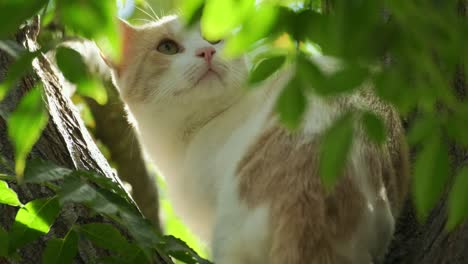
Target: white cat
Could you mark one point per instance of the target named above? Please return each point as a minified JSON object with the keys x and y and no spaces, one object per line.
{"x":236,"y":176}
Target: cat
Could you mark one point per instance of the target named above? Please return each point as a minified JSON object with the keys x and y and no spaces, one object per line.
{"x":236,"y":175}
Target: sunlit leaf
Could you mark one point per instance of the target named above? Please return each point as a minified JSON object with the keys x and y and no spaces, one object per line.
{"x":374,"y":127}
{"x":230,"y":12}
{"x":61,"y":251}
{"x":265,"y":68}
{"x":16,"y":12}
{"x":458,"y":200}
{"x":41,"y":171}
{"x":8,"y":196}
{"x":191,"y":10}
{"x":3,"y":242}
{"x":335,"y":146}
{"x":431,"y":169}
{"x":105,"y":236}
{"x":94,"y":89}
{"x":291,"y":104}
{"x":253,"y":29}
{"x":25,"y":126}
{"x":32,"y":221}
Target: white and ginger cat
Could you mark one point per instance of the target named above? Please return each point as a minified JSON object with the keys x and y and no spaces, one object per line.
{"x":239,"y":178}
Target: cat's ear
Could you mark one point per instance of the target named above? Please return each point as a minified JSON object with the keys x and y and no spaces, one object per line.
{"x":126,"y":38}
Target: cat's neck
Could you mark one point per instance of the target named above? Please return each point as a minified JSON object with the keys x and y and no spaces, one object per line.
{"x":170,"y":130}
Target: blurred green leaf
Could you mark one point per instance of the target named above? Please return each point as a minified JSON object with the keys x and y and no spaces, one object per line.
{"x":16,"y":70}
{"x":25,"y":126}
{"x":92,"y":19}
{"x":334,"y":149}
{"x":32,"y":221}
{"x":105,"y":236}
{"x":38,"y":171}
{"x":431,"y":169}
{"x":458,"y":200}
{"x":253,"y":29}
{"x":61,"y":251}
{"x":8,"y":196}
{"x":3,"y":242}
{"x":374,"y":127}
{"x":71,"y":64}
{"x":230,"y":12}
{"x":292,"y":104}
{"x":265,"y":68}
{"x":422,"y":129}
{"x":75,"y":70}
{"x":192,"y":11}
{"x":13,"y":13}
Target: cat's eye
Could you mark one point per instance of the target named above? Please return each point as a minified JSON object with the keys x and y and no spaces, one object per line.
{"x":168,"y":47}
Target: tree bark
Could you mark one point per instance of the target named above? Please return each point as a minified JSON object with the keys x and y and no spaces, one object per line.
{"x":65,"y":141}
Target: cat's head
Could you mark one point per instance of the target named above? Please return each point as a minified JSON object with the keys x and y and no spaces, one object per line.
{"x":165,"y":62}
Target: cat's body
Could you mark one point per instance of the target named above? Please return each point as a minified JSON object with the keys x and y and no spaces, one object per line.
{"x":236,"y":176}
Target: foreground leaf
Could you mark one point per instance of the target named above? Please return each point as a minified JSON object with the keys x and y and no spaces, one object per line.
{"x":38,"y":171}
{"x":16,"y":12}
{"x":334,"y":148}
{"x":430,"y":174}
{"x":25,"y":126}
{"x":105,"y":236}
{"x":33,"y":221}
{"x":265,"y":68}
{"x":181,"y":251}
{"x":61,"y":251}
{"x":291,"y":104}
{"x":458,"y":205}
{"x":3,"y":243}
{"x":8,"y":196}
{"x":374,"y":127}
{"x":16,"y":71}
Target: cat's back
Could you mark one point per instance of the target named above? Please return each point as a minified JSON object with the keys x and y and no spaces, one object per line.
{"x":279,"y":173}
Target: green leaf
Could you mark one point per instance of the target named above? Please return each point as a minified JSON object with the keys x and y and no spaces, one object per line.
{"x":25,"y":126}
{"x":13,"y":13}
{"x":422,"y":129}
{"x":431,"y":169}
{"x":192,"y":11}
{"x":21,"y":65}
{"x":265,"y":68}
{"x":74,"y":190}
{"x":344,"y":80}
{"x":3,"y":243}
{"x":458,"y":205}
{"x":374,"y":127}
{"x":71,"y":64}
{"x":230,"y":12}
{"x":8,"y":196}
{"x":61,"y":251}
{"x":291,"y":104}
{"x":105,"y":236}
{"x":92,"y":19}
{"x":38,"y":171}
{"x":33,"y":221}
{"x":181,"y":251}
{"x":334,"y":149}
{"x":75,"y":70}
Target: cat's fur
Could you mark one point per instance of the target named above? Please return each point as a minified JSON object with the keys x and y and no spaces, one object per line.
{"x":241,"y":180}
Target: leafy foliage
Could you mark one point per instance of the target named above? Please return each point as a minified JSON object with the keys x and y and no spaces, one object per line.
{"x":409,"y":50}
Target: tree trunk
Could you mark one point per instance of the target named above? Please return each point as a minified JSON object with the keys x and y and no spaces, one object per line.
{"x":65,"y":141}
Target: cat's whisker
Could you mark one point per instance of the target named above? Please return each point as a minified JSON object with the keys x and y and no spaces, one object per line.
{"x":152,"y":10}
{"x":146,"y":13}
{"x":142,"y":19}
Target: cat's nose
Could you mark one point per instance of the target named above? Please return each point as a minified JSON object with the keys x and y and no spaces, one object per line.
{"x":207,"y":53}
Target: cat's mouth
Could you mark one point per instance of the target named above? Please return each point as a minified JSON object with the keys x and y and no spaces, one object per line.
{"x":210,"y":73}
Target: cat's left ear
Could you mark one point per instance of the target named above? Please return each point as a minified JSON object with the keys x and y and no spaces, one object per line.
{"x":127,"y":35}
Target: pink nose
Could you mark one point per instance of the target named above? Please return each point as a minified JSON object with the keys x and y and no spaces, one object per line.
{"x":207,"y":53}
